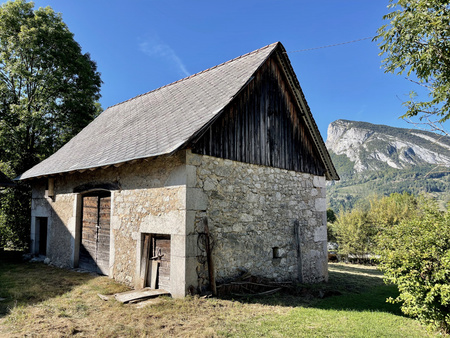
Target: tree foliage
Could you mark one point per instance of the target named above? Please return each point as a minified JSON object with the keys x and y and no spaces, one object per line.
{"x":415,"y":255}
{"x":48,"y":93}
{"x":411,"y":238}
{"x":331,"y":218}
{"x":356,"y":231}
{"x":390,"y":210}
{"x":48,"y":86}
{"x":416,"y":41}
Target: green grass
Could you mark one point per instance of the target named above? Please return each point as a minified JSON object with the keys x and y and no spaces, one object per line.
{"x":47,"y":301}
{"x":360,"y":310}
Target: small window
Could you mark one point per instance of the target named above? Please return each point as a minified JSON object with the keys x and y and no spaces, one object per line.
{"x":276,"y":252}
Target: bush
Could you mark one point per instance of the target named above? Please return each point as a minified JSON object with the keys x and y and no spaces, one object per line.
{"x":415,"y":255}
{"x":15,"y":204}
{"x":354,"y":233}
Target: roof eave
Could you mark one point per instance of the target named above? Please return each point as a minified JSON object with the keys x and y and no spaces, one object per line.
{"x":331,"y":173}
{"x":100,"y":166}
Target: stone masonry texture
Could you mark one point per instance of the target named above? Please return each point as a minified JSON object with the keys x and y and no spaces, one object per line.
{"x":254,"y":211}
{"x":266,"y":221}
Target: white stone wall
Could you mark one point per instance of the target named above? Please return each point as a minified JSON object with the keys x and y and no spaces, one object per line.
{"x":151,"y":199}
{"x":253,"y":209}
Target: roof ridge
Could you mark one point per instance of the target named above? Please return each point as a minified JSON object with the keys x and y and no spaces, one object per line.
{"x":196,"y":74}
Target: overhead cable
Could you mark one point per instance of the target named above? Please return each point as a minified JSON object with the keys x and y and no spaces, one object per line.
{"x":328,"y":46}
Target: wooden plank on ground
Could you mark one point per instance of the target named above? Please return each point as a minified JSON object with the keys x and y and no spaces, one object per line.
{"x":134,"y":295}
{"x":154,"y":274}
{"x":144,"y":262}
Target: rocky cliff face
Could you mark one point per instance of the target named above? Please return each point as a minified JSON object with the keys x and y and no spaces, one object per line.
{"x":377,"y":147}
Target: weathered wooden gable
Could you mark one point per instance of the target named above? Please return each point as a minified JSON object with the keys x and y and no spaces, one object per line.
{"x":263,"y":125}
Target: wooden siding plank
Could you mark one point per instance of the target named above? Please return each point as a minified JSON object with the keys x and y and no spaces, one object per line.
{"x":142,"y":294}
{"x":262,"y":125}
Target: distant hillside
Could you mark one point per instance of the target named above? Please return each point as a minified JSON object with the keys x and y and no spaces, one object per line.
{"x":377,"y":159}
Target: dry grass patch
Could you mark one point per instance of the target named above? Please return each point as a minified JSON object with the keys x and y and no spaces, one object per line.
{"x":47,"y":301}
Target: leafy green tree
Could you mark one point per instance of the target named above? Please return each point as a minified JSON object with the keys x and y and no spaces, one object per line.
{"x":390,"y":210}
{"x":331,"y":218}
{"x":416,"y":41}
{"x":354,"y":233}
{"x":356,"y":230}
{"x":48,"y":93}
{"x":415,"y":255}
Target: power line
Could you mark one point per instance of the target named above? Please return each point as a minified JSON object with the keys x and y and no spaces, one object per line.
{"x":336,"y":44}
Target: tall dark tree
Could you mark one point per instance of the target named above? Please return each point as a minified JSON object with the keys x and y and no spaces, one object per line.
{"x":48,"y":93}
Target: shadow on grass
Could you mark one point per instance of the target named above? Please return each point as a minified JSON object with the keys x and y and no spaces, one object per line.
{"x":350,"y":287}
{"x":26,"y":283}
{"x":355,"y":269}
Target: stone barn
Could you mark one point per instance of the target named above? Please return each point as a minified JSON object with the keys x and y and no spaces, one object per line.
{"x":234,"y":147}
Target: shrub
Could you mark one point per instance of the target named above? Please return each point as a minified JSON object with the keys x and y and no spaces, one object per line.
{"x":415,"y":255}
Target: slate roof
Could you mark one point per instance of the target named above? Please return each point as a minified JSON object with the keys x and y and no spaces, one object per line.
{"x":163,"y":120}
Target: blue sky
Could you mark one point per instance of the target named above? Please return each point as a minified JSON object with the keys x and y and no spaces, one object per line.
{"x":140,"y":45}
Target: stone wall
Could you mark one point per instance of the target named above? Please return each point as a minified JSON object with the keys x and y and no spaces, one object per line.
{"x":263,"y":219}
{"x":151,"y":198}
{"x":269,"y":222}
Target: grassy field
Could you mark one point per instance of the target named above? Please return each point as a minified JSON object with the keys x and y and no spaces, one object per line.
{"x":39,"y":300}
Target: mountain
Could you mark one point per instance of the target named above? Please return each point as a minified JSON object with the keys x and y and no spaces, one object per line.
{"x":378,"y":159}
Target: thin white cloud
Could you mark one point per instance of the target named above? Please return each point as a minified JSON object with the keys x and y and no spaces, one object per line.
{"x":155,"y":48}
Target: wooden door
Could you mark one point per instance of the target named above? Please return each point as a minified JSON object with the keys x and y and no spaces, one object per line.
{"x":95,"y":233}
{"x":103,"y":234}
{"x":160,"y":251}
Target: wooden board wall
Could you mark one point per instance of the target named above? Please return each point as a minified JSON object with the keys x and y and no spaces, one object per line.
{"x":263,"y":125}
{"x":161,"y":246}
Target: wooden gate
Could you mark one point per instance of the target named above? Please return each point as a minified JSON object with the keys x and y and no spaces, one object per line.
{"x":95,"y":232}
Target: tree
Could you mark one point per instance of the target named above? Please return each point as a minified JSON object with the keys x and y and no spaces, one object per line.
{"x":331,"y":218}
{"x":416,"y":41}
{"x":415,"y":255}
{"x":389,"y":210}
{"x":48,"y":93}
{"x":354,"y":233}
{"x":357,"y":230}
